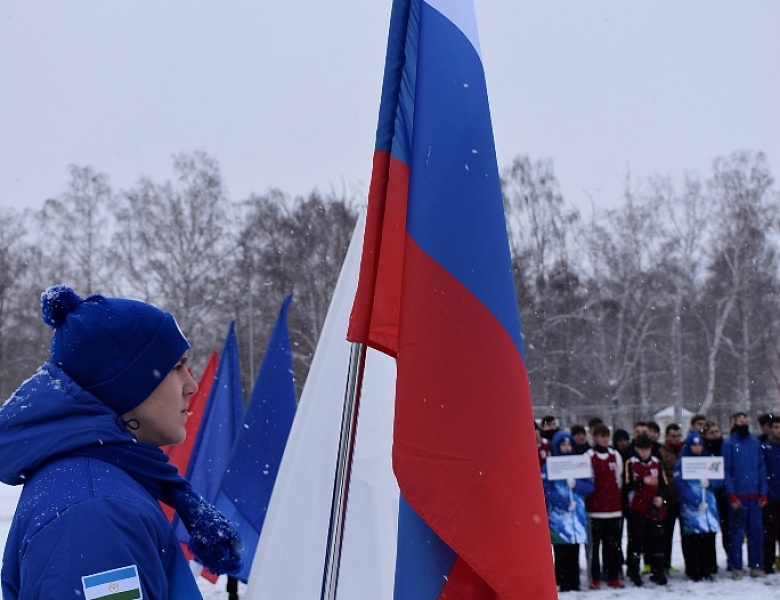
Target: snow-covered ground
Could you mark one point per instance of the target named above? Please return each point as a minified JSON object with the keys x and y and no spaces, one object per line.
{"x":679,"y":587}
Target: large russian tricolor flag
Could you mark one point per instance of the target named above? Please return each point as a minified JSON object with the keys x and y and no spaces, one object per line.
{"x":436,"y":291}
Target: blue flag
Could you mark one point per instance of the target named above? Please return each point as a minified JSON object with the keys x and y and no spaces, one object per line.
{"x":218,"y":428}
{"x":254,"y":462}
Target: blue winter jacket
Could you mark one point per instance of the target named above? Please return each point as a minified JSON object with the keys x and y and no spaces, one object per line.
{"x":566,"y":506}
{"x":83,"y":528}
{"x":692,"y":494}
{"x":743,"y":461}
{"x":772,"y":462}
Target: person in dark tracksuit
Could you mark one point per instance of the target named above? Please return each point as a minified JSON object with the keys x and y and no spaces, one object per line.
{"x":745,"y":483}
{"x":771,"y":449}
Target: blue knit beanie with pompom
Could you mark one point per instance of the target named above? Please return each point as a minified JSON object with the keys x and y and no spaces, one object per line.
{"x":117,"y":349}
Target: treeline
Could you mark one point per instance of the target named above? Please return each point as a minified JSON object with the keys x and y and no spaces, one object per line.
{"x":182,"y":245}
{"x":670,"y":297}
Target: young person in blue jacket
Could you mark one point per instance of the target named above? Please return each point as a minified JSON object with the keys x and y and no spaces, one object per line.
{"x":565,"y":501}
{"x":698,"y":512}
{"x":83,"y":435}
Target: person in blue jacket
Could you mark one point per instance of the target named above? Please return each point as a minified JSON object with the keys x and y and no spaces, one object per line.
{"x":565,"y":501}
{"x":771,"y":449}
{"x":82,"y":436}
{"x":698,"y":512}
{"x":745,"y":482}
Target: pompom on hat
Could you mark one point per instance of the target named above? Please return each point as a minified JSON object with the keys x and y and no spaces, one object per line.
{"x":117,"y":349}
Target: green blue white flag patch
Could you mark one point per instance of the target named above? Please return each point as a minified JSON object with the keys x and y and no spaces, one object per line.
{"x":116,"y":584}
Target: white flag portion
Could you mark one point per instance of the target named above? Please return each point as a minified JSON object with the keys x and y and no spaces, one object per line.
{"x":290,"y":557}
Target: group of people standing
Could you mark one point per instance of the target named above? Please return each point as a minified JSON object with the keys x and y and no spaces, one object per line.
{"x":643,"y":486}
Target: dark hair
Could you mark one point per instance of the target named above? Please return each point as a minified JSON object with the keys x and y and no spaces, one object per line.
{"x":643,"y":441}
{"x":654,"y":426}
{"x":710,"y":424}
{"x":671,"y":427}
{"x":548,"y":419}
{"x":640,"y":424}
{"x":774,"y":419}
{"x":620,"y":434}
{"x":602,"y":429}
{"x":765,"y":419}
{"x":575,"y":429}
{"x":738,"y":414}
{"x":696,"y":418}
{"x":593,"y":421}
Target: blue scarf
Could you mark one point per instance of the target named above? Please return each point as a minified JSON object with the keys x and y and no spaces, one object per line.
{"x":213,"y":539}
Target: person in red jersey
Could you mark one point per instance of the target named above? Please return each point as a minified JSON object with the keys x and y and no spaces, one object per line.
{"x":645,"y":486}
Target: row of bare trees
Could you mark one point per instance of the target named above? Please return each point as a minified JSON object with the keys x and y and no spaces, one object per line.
{"x":669,"y":298}
{"x":182,"y":245}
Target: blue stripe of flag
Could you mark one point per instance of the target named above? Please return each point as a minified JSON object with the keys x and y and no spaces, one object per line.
{"x":453,"y":163}
{"x":116,"y":575}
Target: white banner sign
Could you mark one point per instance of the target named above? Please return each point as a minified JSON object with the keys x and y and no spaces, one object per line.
{"x":702,"y":467}
{"x":570,"y":466}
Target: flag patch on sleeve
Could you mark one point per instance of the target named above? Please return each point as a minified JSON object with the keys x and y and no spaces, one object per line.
{"x":116,"y":584}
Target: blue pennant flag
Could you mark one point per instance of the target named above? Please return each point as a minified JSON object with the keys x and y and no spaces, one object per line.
{"x":218,"y":428}
{"x":249,"y":478}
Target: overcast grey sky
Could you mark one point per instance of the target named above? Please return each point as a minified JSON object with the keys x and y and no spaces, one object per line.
{"x":285,"y":94}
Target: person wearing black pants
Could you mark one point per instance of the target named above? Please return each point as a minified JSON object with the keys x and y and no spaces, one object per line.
{"x":771,"y":450}
{"x":604,"y":509}
{"x":645,"y":537}
{"x":713,"y":438}
{"x":567,"y":566}
{"x":605,"y":534}
{"x":645,"y":487}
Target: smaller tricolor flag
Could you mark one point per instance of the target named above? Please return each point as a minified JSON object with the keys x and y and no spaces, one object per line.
{"x":116,"y":584}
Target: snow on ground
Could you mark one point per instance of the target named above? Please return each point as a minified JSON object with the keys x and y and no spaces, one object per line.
{"x":679,"y":587}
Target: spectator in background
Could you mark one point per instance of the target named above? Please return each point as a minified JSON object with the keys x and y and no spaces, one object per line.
{"x":745,"y":481}
{"x":549,"y":425}
{"x":640,"y":428}
{"x":604,"y":508}
{"x":654,"y":433}
{"x":621,"y":442}
{"x":669,"y":453}
{"x":698,"y":423}
{"x":771,"y":449}
{"x":765,"y":423}
{"x":542,"y":445}
{"x":592,"y":422}
{"x":644,"y":484}
{"x":713,"y":439}
{"x":565,"y":501}
{"x":580,"y":437}
{"x":699,"y":512}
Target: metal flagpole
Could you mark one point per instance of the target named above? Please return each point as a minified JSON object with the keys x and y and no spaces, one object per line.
{"x":349,"y":416}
